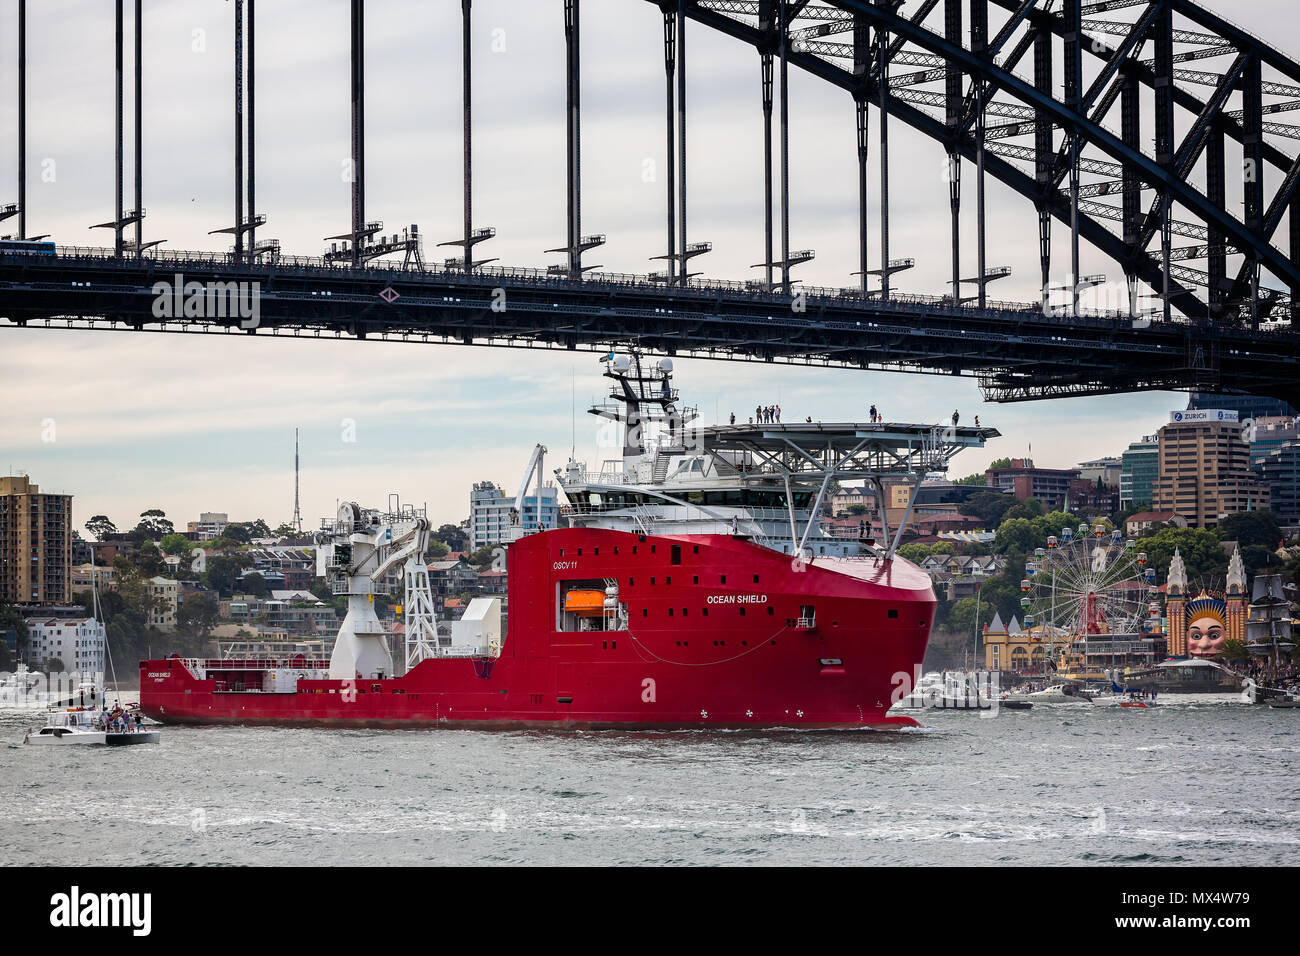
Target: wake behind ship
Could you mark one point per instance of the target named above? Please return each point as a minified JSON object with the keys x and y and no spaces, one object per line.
{"x":693,"y":587}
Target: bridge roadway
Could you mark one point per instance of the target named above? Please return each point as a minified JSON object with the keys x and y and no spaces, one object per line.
{"x":1017,"y":352}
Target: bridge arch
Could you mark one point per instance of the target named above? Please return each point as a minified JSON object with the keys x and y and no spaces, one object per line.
{"x":982,"y":69}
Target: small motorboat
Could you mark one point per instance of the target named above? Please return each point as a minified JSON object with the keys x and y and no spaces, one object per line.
{"x":1015,"y":704}
{"x":1133,"y":701}
{"x":86,"y":725}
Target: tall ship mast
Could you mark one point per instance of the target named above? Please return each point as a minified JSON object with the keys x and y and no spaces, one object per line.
{"x":1268,"y":627}
{"x":693,"y":584}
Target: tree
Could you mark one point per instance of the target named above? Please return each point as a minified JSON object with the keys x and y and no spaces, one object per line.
{"x":6,"y":656}
{"x":483,"y":558}
{"x":1234,"y":649}
{"x":153,"y":526}
{"x":259,"y":529}
{"x":961,"y":618}
{"x":1251,"y":527}
{"x":916,"y":553}
{"x":1002,"y":590}
{"x":176,"y":544}
{"x":1017,"y":534}
{"x":197,"y":614}
{"x":101,"y":527}
{"x":11,"y":620}
{"x":1029,"y":508}
{"x":1053,"y":523}
{"x":978,"y":479}
{"x":990,"y":506}
{"x":1200,"y":549}
{"x":253,"y":583}
{"x":437,"y":550}
{"x":223,"y":572}
{"x":1257,"y":558}
{"x":239,"y":533}
{"x":453,"y":536}
{"x":148,"y":559}
{"x":285,"y":530}
{"x":55,"y":665}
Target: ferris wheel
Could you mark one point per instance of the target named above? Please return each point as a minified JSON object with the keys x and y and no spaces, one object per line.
{"x":1089,"y":582}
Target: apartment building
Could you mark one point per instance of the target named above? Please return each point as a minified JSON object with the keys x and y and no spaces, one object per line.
{"x":35,"y":544}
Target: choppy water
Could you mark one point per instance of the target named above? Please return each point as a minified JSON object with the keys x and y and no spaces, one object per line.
{"x":1204,"y":783}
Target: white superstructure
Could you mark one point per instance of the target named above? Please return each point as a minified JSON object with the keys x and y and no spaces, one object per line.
{"x":765,"y":481}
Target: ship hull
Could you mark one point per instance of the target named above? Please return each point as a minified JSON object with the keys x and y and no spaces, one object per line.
{"x":720,"y":633}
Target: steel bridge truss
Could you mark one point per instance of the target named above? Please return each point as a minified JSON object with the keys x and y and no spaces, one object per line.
{"x":1033,"y":91}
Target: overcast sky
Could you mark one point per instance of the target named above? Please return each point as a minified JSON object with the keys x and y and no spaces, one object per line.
{"x":201,"y":423}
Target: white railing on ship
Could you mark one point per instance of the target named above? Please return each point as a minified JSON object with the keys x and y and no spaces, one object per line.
{"x":199,"y":666}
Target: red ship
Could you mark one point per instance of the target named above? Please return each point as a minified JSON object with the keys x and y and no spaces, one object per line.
{"x":693,"y":587}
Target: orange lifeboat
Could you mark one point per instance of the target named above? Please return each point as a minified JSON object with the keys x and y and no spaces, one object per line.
{"x":585,"y":603}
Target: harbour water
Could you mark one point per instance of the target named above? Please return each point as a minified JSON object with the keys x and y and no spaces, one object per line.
{"x":1194,"y":781}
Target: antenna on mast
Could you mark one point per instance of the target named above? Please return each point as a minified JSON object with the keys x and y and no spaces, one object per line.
{"x":297,"y":514}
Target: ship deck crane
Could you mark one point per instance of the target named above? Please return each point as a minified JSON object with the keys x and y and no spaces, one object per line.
{"x":536,"y":466}
{"x":355,"y":552}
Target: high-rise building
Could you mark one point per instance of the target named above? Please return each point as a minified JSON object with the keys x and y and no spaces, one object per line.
{"x":35,"y":544}
{"x":1247,"y":407}
{"x":1139,"y":466}
{"x":490,"y":521}
{"x":1279,"y":469}
{"x":1205,"y":469}
{"x":1268,"y":434}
